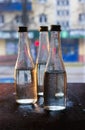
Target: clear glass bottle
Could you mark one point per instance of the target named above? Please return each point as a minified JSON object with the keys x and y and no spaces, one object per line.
{"x":55,"y":79}
{"x":42,"y":56}
{"x":25,"y":72}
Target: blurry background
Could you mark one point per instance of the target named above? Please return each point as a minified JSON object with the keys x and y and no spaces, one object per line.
{"x":70,"y":14}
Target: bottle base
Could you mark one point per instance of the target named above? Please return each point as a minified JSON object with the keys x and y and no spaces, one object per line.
{"x":40,"y":94}
{"x":26,"y":101}
{"x":54,"y":108}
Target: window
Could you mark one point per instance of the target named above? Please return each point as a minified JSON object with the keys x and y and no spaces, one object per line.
{"x":82,"y":18}
{"x":63,"y":12}
{"x":82,"y":1}
{"x":11,"y":47}
{"x":1,"y":19}
{"x":18,"y":19}
{"x":29,"y":0}
{"x":1,"y":1}
{"x":62,"y":2}
{"x":42,"y":1}
{"x":16,"y":1}
{"x":64,"y":24}
{"x":70,"y":49}
{"x":43,"y":18}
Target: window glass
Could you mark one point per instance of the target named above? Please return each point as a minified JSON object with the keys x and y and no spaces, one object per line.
{"x":42,"y":1}
{"x":18,"y":19}
{"x":1,"y":19}
{"x":82,"y":1}
{"x":62,"y":2}
{"x":82,"y":17}
{"x":11,"y":48}
{"x":62,"y":12}
{"x":64,"y":24}
{"x":43,"y":18}
{"x":1,"y":1}
{"x":70,"y":50}
{"x":16,"y":0}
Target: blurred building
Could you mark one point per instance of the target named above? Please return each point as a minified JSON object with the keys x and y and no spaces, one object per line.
{"x":12,"y":16}
{"x":70,"y":14}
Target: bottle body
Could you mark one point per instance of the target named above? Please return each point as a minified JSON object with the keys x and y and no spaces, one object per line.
{"x":25,"y":86}
{"x":40,"y":74}
{"x":25,"y":79}
{"x":42,"y":58}
{"x":55,"y":90}
{"x":55,"y":79}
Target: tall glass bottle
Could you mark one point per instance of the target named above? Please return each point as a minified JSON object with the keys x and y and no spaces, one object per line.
{"x":42,"y":57}
{"x":25,"y":79}
{"x":55,"y":80}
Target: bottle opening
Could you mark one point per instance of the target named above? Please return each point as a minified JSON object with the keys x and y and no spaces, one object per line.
{"x":55,"y":28}
{"x":43,"y":28}
{"x":22,"y":29}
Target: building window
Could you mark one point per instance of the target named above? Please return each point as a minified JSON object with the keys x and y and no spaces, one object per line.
{"x":18,"y":19}
{"x":64,"y":24}
{"x":62,"y":2}
{"x":1,"y":19}
{"x":43,"y":18}
{"x":11,"y":47}
{"x":82,"y":18}
{"x":1,"y":1}
{"x":63,"y":12}
{"x":82,"y":1}
{"x":16,"y":1}
{"x":42,"y":1}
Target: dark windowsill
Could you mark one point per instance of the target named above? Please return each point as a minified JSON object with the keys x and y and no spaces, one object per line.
{"x":19,"y":117}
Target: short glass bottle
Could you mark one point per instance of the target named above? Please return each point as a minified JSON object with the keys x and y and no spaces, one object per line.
{"x":24,"y":74}
{"x":42,"y":57}
{"x":55,"y":79}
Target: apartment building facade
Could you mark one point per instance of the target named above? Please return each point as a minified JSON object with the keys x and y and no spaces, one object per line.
{"x":11,"y":13}
{"x":69,"y":14}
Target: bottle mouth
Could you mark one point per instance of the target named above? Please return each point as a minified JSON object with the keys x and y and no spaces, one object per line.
{"x":22,"y":29}
{"x":43,"y":28}
{"x":55,"y":28}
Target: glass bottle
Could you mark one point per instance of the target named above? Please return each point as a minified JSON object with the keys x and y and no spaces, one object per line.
{"x":42,"y":57}
{"x":25,"y":79}
{"x":55,"y":79}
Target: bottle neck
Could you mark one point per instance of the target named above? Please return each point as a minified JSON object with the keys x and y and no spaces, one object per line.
{"x":24,"y":59}
{"x":43,"y":47}
{"x":55,"y":61}
{"x":55,"y":41}
{"x":43,"y":37}
{"x":55,"y":44}
{"x":22,"y":40}
{"x":44,"y":41}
